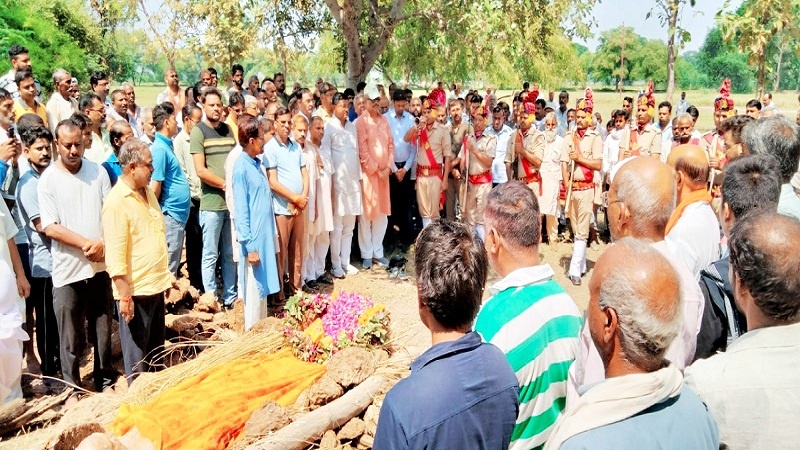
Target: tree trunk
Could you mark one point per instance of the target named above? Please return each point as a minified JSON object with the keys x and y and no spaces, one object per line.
{"x":674,"y":6}
{"x":762,"y":63}
{"x":776,"y":82}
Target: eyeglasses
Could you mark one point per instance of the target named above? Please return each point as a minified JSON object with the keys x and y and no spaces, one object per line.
{"x":606,"y":202}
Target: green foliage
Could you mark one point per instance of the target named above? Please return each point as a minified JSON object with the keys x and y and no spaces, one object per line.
{"x":718,"y":60}
{"x":55,"y":33}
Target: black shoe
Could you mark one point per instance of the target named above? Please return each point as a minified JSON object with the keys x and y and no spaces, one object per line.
{"x":575,"y":280}
{"x":309,"y":287}
{"x":312,"y":284}
{"x":325,"y":279}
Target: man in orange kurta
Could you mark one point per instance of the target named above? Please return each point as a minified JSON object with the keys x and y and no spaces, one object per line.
{"x":376,"y":152}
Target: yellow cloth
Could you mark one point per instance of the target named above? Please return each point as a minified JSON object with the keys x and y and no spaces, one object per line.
{"x":234,"y":127}
{"x":135,"y":240}
{"x":38,"y":109}
{"x":209,"y":411}
{"x":696,"y":196}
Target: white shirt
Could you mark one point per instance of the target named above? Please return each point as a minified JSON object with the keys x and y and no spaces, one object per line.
{"x":589,"y":369}
{"x":97,"y":153}
{"x":137,"y":130}
{"x":695,"y":237}
{"x":499,"y":174}
{"x":59,"y":109}
{"x":340,"y":142}
{"x":76,"y":202}
{"x":753,"y":389}
{"x":611,"y":150}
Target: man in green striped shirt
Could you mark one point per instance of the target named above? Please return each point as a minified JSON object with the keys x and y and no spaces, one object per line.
{"x":529,"y":316}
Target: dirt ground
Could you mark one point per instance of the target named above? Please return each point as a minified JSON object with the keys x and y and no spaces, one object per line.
{"x":400,"y":297}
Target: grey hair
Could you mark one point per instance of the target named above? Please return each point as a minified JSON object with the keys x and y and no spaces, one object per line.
{"x":59,"y":75}
{"x":644,"y":336}
{"x":680,"y":116}
{"x":132,"y":151}
{"x":250,"y":101}
{"x":778,"y":136}
{"x":147,"y":110}
{"x":550,"y":115}
{"x":360,"y":96}
{"x":125,"y":84}
{"x":647,"y":210}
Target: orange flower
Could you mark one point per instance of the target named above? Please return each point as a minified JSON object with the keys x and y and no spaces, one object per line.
{"x":315,"y":331}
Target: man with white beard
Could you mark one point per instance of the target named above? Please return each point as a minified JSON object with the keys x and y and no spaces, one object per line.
{"x":611,"y":144}
{"x":551,"y":176}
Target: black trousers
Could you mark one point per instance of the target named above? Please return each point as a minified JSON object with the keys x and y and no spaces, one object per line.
{"x":402,"y":195}
{"x":143,"y":337}
{"x":73,"y":304}
{"x":194,"y":247}
{"x":41,"y":299}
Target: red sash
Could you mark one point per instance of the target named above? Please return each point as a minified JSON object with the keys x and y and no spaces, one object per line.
{"x":633,"y":144}
{"x":588,"y":174}
{"x":531,"y":176}
{"x":425,"y":143}
{"x":481,"y":178}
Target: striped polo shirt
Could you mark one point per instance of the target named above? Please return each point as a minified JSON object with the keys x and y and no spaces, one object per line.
{"x":215,"y":144}
{"x":536,"y":324}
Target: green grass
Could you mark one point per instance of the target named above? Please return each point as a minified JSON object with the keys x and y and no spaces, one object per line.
{"x":604,"y":101}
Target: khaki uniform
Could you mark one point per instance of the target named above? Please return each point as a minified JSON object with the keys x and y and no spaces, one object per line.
{"x":649,"y":141}
{"x":532,"y":147}
{"x":580,"y":208}
{"x":454,"y":186}
{"x":429,"y":181}
{"x":477,"y":193}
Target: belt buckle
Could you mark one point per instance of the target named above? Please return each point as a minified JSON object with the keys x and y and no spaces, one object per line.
{"x":425,"y":172}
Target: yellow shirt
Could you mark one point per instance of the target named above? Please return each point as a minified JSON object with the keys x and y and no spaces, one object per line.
{"x":38,"y":109}
{"x":135,"y":241}
{"x":234,"y":127}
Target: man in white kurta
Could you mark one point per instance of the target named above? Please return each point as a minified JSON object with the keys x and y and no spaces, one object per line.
{"x":551,"y":176}
{"x":319,"y":213}
{"x":339,"y":140}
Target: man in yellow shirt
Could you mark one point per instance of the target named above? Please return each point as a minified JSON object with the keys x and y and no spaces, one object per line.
{"x":26,"y":103}
{"x":136,"y":259}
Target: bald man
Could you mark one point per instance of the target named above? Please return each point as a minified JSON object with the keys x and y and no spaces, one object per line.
{"x":634,"y":314}
{"x":638,"y":204}
{"x":753,"y":388}
{"x":693,"y":229}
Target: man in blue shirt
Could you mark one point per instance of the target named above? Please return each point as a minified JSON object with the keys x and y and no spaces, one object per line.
{"x":288,"y":179}
{"x":401,"y":184}
{"x":118,"y":134}
{"x":169,"y":183}
{"x":462,"y":393}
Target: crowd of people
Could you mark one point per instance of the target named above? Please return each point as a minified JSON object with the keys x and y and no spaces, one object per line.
{"x":267,"y":191}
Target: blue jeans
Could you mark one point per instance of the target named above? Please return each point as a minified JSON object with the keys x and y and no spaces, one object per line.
{"x":175,"y":232}
{"x":218,"y":246}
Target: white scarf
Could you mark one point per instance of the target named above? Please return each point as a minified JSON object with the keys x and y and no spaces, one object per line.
{"x":616,"y":134}
{"x":614,"y":400}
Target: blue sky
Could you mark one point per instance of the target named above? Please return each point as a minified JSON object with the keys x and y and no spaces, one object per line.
{"x":613,"y":13}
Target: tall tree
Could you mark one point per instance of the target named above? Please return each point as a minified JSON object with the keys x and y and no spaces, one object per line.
{"x":668,"y":12}
{"x":754,"y":25}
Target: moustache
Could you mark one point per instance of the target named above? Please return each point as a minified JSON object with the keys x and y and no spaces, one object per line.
{"x":550,"y":135}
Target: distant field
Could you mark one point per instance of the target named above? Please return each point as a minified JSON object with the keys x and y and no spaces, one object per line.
{"x":604,"y":102}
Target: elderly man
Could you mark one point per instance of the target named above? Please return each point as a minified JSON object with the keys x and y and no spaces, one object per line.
{"x":693,"y":229}
{"x":582,"y":155}
{"x":638,"y":205}
{"x":376,"y":152}
{"x":529,"y":316}
{"x":137,"y":258}
{"x":339,"y":140}
{"x":320,"y":211}
{"x":778,"y":136}
{"x":753,"y":389}
{"x":254,"y":221}
{"x":61,"y":105}
{"x":643,"y":138}
{"x":634,"y":314}
{"x":459,"y":380}
{"x":751,"y":183}
{"x":71,"y":197}
{"x":550,"y":171}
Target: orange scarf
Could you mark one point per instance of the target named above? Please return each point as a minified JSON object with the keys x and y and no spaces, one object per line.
{"x":696,"y":196}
